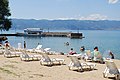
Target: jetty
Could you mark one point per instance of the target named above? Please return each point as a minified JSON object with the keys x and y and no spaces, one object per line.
{"x":62,"y":34}
{"x":49,"y":34}
{"x":39,"y":33}
{"x":54,"y":34}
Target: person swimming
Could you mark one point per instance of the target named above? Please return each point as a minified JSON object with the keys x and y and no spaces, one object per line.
{"x":67,"y":43}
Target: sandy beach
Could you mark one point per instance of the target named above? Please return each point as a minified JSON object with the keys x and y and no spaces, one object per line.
{"x":15,"y":69}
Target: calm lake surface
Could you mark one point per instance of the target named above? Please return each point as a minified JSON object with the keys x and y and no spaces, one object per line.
{"x":105,"y":40}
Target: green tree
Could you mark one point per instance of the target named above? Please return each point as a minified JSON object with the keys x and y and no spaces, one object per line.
{"x":5,"y":22}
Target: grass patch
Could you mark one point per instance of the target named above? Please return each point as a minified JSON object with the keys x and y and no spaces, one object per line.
{"x":8,"y":71}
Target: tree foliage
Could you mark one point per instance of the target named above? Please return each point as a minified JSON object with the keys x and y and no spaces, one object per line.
{"x":5,"y":22}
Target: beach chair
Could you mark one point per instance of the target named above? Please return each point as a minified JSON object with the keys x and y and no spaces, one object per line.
{"x":2,"y":49}
{"x":27,"y":57}
{"x":45,"y":50}
{"x":88,"y":56}
{"x":76,"y":55}
{"x":111,"y":68}
{"x":75,"y":64}
{"x":35,"y":49}
{"x":9,"y":53}
{"x":46,"y":60}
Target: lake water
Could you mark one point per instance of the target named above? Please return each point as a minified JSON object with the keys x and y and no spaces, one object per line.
{"x":105,"y":40}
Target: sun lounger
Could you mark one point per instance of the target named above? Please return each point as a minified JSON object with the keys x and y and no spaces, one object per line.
{"x":75,"y":64}
{"x":88,"y":56}
{"x":111,"y":68}
{"x":35,"y":49}
{"x":27,"y":57}
{"x":47,"y":49}
{"x":49,"y":62}
{"x":76,"y":55}
{"x":2,"y":49}
{"x":9,"y":53}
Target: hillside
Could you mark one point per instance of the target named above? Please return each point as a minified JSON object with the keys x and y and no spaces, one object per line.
{"x":66,"y":24}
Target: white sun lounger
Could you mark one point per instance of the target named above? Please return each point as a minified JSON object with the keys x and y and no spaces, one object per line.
{"x":111,"y":68}
{"x":27,"y":57}
{"x":75,"y":64}
{"x":49,"y":62}
{"x":9,"y":53}
{"x":35,"y":49}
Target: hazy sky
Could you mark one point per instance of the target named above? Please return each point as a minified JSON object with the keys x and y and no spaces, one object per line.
{"x":65,"y":9}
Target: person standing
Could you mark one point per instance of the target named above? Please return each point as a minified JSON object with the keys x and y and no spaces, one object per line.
{"x":24,"y":45}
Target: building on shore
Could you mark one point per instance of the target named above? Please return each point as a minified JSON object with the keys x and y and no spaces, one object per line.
{"x":36,"y":31}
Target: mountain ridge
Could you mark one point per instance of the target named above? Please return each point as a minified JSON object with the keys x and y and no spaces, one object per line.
{"x":66,"y":24}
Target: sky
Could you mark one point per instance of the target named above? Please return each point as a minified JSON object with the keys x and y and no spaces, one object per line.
{"x":65,"y":9}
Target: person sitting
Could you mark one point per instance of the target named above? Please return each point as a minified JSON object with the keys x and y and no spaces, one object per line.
{"x":71,"y":52}
{"x":7,"y":45}
{"x":111,"y":55}
{"x":97,"y":55}
{"x":83,"y":52}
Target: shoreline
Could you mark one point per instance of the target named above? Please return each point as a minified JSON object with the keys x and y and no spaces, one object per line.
{"x":15,"y":69}
{"x":92,"y":39}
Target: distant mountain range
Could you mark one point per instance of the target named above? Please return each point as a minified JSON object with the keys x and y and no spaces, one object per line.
{"x":66,"y":24}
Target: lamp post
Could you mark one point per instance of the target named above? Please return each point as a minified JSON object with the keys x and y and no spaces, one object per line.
{"x":78,"y":30}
